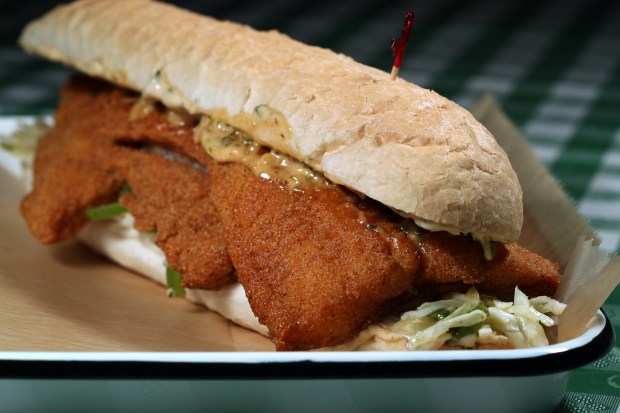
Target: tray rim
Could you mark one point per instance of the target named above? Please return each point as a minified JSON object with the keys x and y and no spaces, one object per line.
{"x":598,"y":339}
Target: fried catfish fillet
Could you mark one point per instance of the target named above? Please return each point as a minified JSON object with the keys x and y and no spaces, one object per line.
{"x":317,"y":265}
{"x":94,"y":149}
{"x":453,"y":263}
{"x":313,"y":270}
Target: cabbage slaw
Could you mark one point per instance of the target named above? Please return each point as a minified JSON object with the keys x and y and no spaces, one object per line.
{"x":473,"y":320}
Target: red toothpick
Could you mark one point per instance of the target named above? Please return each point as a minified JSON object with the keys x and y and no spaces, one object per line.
{"x":398,"y":46}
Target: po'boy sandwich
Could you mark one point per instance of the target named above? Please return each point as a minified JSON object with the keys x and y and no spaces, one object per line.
{"x":291,"y":189}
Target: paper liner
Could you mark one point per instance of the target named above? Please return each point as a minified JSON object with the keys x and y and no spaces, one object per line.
{"x":554,"y":228}
{"x":63,"y":298}
{"x":590,"y":277}
{"x":67,"y":298}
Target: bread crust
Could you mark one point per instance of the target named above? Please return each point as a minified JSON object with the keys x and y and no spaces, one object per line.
{"x":405,"y":146}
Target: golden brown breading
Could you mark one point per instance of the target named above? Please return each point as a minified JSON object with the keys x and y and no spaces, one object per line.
{"x":317,"y":265}
{"x":452,"y":263}
{"x":70,"y":174}
{"x":85,"y":161}
{"x":173,"y":199}
{"x":515,"y":265}
{"x":314,"y":273}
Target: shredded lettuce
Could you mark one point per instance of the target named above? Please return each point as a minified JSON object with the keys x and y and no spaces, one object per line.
{"x":174,"y":280}
{"x":470,"y":320}
{"x":106,"y":211}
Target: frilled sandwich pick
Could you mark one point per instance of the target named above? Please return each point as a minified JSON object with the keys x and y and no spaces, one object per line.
{"x":289,"y":188}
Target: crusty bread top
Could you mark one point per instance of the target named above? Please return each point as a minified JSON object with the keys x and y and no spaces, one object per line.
{"x":400,"y":144}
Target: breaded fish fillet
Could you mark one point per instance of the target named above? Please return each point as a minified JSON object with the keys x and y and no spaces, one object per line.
{"x":453,"y":263}
{"x":313,"y":271}
{"x":94,"y":150}
{"x":317,"y":265}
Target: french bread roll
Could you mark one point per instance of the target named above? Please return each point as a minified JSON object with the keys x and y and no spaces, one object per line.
{"x":407,"y":147}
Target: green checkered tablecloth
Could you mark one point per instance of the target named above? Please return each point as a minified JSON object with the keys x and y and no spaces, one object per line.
{"x":554,"y":67}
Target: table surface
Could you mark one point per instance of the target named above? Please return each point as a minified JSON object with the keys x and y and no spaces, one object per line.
{"x":553,"y":66}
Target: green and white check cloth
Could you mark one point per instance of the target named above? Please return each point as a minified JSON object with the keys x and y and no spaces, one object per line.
{"x":554,"y":67}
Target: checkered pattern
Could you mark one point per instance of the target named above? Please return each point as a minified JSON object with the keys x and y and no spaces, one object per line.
{"x":554,"y":67}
